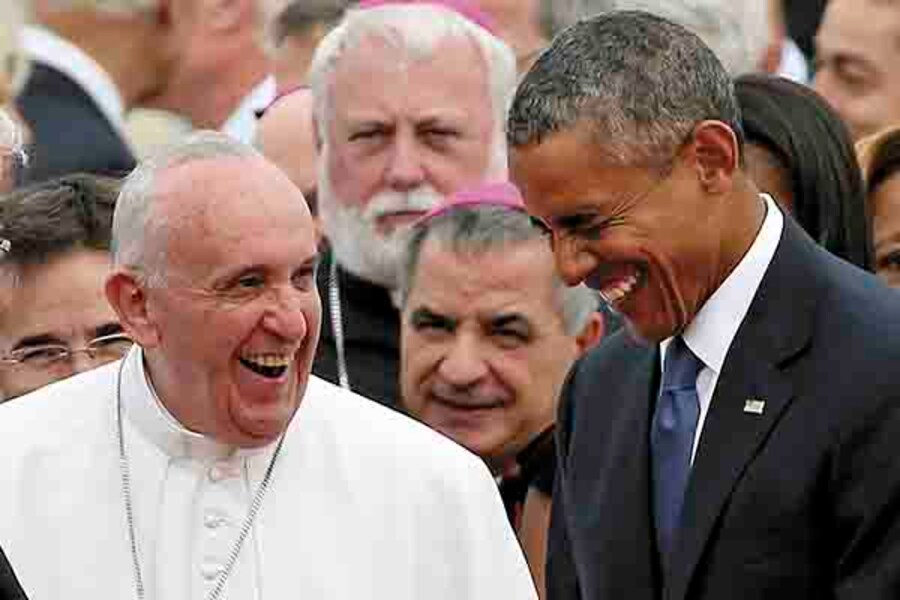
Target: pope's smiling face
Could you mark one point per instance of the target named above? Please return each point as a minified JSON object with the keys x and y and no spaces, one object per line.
{"x":232,"y":330}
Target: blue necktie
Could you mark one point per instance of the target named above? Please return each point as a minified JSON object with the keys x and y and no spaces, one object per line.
{"x":672,"y":438}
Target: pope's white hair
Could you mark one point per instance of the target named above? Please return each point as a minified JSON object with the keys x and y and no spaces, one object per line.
{"x":416,"y":30}
{"x":134,"y":216}
{"x":737,"y":31}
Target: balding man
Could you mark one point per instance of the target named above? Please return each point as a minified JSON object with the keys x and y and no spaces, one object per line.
{"x":286,"y":137}
{"x":209,"y":463}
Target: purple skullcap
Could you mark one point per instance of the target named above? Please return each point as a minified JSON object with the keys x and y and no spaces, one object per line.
{"x":501,"y":193}
{"x":468,"y":9}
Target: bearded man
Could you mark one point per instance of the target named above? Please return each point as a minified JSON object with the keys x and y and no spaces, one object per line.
{"x":409,"y":103}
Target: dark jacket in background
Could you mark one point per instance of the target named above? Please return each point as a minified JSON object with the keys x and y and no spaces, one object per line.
{"x":371,"y":325}
{"x":69,"y":132}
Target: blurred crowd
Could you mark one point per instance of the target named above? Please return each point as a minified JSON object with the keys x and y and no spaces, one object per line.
{"x":385,"y":213}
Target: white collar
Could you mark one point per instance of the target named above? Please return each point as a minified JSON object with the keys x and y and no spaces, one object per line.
{"x":145,"y":411}
{"x":710,"y":333}
{"x":44,"y":46}
{"x":241,"y":125}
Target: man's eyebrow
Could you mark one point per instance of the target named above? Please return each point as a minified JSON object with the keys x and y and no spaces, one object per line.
{"x":42,"y":339}
{"x":423,"y":313}
{"x":445,"y":119}
{"x":507,"y":319}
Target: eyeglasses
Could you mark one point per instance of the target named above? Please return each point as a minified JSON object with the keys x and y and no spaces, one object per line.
{"x":105,"y":348}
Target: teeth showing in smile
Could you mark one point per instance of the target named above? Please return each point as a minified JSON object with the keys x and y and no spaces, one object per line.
{"x":616,"y":292}
{"x":267,"y":365}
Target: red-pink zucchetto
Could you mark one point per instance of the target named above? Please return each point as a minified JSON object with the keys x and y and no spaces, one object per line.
{"x":503,"y":194}
{"x":466,"y":8}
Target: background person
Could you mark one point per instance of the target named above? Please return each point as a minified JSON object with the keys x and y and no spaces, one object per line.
{"x":529,"y":25}
{"x":798,"y":150}
{"x":740,"y":33}
{"x":389,"y":153}
{"x":54,"y":318}
{"x":488,"y":334}
{"x":856,"y":50}
{"x":293,"y":34}
{"x":286,"y":136}
{"x":879,"y":157}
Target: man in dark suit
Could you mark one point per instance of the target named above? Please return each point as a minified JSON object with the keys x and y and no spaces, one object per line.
{"x":741,"y":439}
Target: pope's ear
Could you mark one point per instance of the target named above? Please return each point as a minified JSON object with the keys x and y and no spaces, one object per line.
{"x":128,"y":298}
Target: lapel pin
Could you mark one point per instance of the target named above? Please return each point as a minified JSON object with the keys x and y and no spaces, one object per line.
{"x":754,"y":407}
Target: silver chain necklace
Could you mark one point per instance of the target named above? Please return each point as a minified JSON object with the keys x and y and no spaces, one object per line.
{"x":337,"y":323}
{"x":125,"y":473}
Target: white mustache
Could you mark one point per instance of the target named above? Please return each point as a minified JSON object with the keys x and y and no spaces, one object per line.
{"x":388,"y":202}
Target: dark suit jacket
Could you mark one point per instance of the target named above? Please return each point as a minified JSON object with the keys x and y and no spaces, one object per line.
{"x":800,"y":502}
{"x":70,"y":133}
{"x":9,"y":585}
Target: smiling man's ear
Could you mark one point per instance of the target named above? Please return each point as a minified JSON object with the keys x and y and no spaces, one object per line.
{"x":128,"y":298}
{"x":716,"y":155}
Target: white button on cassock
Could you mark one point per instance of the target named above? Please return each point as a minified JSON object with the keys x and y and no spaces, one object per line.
{"x":212,"y":521}
{"x":220,"y":472}
{"x":210,"y":571}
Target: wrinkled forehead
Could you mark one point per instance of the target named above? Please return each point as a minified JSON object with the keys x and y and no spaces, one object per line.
{"x":231,"y":201}
{"x":208,"y":192}
{"x":515,"y":276}
{"x":63,"y":296}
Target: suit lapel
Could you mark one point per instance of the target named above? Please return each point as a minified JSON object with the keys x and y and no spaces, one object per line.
{"x":613,"y":524}
{"x":773,"y":332}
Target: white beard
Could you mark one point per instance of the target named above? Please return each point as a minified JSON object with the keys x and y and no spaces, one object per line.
{"x":352,"y":230}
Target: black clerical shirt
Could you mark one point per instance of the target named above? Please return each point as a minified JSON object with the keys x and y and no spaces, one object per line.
{"x":371,"y":326}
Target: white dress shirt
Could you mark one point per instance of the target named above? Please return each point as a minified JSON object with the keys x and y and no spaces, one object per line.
{"x":44,"y":46}
{"x":241,"y":125}
{"x":710,"y":333}
{"x":364,"y":503}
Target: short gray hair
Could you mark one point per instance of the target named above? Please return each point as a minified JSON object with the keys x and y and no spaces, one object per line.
{"x":738,"y":31}
{"x":134,"y":207}
{"x":415,"y":29}
{"x":481,"y":229}
{"x":639,"y":83}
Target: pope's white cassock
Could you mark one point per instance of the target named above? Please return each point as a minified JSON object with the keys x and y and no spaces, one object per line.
{"x":363,"y":503}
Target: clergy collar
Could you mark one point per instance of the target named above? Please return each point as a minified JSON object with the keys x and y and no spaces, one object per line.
{"x":148,"y":414}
